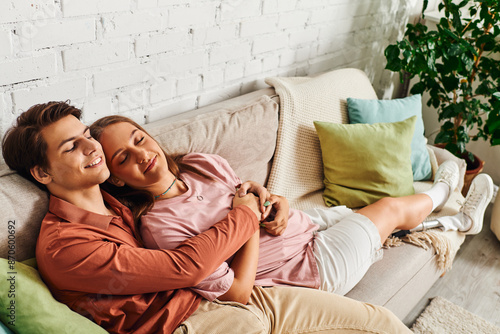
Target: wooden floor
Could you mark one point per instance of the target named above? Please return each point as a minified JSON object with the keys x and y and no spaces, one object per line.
{"x":474,"y":281}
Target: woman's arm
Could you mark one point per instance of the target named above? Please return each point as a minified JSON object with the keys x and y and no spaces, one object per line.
{"x":244,"y":266}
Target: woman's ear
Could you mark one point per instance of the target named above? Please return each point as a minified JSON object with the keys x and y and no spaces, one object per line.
{"x":41,"y":175}
{"x":116,"y":181}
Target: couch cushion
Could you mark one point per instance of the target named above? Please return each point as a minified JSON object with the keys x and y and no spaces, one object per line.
{"x":245,"y":136}
{"x":402,"y":277}
{"x":297,"y":168}
{"x":23,"y":206}
{"x":375,"y":111}
{"x":35,"y":310}
{"x":366,"y":162}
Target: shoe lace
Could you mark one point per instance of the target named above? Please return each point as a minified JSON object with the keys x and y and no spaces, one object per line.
{"x":473,"y":198}
{"x":446,"y":176}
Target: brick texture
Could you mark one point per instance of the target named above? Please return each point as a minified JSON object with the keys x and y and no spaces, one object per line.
{"x":153,"y":58}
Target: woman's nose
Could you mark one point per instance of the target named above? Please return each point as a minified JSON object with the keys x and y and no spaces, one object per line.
{"x":142,"y":156}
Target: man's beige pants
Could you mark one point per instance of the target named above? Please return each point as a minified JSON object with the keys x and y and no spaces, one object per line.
{"x":292,"y":310}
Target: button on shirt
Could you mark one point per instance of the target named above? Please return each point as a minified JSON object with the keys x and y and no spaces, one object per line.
{"x":95,"y":265}
{"x":287,"y":259}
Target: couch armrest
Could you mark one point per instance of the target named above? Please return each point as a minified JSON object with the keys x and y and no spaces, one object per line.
{"x":443,"y":155}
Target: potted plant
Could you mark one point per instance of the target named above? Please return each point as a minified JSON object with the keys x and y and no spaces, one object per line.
{"x":458,"y":65}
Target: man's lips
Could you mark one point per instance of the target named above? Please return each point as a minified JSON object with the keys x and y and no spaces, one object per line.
{"x":96,"y":162}
{"x":151,"y":165}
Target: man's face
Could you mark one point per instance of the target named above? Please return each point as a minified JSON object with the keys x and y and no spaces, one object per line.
{"x":76,"y":160}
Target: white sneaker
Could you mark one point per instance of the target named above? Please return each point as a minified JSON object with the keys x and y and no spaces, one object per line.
{"x":478,"y":198}
{"x":448,"y":173}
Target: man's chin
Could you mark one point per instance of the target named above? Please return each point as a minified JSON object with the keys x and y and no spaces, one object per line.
{"x":105,"y":176}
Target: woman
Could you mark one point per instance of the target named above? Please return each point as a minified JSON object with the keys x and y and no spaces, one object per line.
{"x":330,"y":249}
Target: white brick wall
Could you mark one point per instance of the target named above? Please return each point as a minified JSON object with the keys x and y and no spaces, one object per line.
{"x":153,"y":58}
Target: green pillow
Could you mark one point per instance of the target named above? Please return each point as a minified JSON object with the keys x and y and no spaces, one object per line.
{"x":386,"y":111}
{"x":27,"y":303}
{"x":365,"y":162}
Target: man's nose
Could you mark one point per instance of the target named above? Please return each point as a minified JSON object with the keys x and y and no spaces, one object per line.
{"x":90,"y":146}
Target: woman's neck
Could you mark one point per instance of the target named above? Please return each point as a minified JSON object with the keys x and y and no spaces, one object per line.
{"x":175,"y":188}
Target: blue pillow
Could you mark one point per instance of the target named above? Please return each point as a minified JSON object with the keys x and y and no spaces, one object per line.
{"x":388,"y":111}
{"x":4,"y":329}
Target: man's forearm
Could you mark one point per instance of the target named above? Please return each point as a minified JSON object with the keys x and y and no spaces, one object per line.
{"x":244,"y":266}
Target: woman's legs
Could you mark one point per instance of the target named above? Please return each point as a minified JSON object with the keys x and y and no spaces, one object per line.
{"x":403,"y":213}
{"x":406,"y":213}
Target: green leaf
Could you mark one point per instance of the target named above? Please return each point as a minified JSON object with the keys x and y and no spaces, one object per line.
{"x":392,"y":56}
{"x":451,"y":34}
{"x":443,"y":137}
{"x":424,"y":7}
{"x":467,"y":61}
{"x":454,"y":50}
{"x":418,"y":88}
{"x":451,"y":65}
{"x":450,"y":83}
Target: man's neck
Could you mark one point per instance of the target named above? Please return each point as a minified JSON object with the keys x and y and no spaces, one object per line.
{"x":89,"y":199}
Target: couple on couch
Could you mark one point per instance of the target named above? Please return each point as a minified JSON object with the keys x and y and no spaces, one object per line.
{"x":187,"y":232}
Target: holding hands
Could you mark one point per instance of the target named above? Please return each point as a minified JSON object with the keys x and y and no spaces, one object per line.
{"x":274,"y":209}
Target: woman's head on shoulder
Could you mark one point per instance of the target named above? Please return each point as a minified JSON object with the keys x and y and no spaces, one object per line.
{"x":133,"y":157}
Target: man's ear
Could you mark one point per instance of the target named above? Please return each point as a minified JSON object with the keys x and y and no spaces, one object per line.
{"x":116,"y":181}
{"x":40,"y":175}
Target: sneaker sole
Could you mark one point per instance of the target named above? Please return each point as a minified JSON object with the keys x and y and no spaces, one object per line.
{"x":476,"y":228}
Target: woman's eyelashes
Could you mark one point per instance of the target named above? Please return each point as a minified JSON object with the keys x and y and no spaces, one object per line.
{"x":125,"y":155}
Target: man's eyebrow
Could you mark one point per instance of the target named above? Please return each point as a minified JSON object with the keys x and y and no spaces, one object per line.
{"x":71,"y":138}
{"x":119,"y":150}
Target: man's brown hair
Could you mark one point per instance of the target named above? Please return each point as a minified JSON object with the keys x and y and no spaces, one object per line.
{"x":23,"y":145}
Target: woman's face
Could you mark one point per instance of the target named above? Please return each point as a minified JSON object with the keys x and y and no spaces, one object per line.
{"x":134,"y":157}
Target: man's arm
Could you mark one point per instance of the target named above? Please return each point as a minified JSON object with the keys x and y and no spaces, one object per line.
{"x":97,"y":266}
{"x":244,"y":265}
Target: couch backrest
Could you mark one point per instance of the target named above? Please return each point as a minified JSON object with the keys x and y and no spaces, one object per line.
{"x":243,"y":130}
{"x":22,"y":207}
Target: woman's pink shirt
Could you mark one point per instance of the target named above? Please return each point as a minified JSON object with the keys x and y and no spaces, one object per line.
{"x":283,"y":260}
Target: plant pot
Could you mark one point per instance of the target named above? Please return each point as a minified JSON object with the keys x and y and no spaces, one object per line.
{"x":473,"y":168}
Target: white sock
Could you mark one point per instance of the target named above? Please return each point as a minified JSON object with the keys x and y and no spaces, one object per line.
{"x":458,"y":222}
{"x":439,"y":194}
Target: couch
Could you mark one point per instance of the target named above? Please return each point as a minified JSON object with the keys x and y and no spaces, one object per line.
{"x":252,"y":135}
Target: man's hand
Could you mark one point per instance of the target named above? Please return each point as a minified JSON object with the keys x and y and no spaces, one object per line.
{"x":276,"y":215}
{"x":258,"y":190}
{"x":249,"y":200}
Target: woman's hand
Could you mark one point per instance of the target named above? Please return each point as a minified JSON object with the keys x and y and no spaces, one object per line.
{"x":249,"y":200}
{"x":278,"y":221}
{"x":258,"y":190}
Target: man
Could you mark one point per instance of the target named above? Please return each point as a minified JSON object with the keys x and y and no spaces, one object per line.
{"x":90,"y":257}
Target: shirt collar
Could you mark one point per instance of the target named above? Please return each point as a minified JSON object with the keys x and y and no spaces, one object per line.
{"x":74,"y":214}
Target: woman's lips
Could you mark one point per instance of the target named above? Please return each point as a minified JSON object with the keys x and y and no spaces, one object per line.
{"x":151,"y":165}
